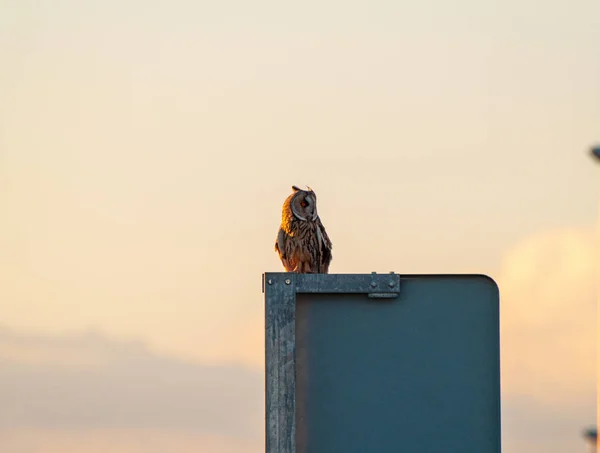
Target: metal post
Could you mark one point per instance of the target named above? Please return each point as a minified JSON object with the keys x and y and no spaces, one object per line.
{"x":280,"y":362}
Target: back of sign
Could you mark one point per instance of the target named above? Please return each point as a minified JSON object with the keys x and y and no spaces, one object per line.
{"x":419,"y":373}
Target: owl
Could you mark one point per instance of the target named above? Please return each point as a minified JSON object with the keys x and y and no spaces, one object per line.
{"x":302,"y":242}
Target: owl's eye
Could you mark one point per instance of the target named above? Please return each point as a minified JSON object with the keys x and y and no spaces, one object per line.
{"x":303,"y":204}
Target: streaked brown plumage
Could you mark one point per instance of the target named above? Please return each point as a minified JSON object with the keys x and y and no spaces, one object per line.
{"x":302,"y":242}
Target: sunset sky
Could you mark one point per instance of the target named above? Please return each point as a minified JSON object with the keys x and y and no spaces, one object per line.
{"x":146,"y":149}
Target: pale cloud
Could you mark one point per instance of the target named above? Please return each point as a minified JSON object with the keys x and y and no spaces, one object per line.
{"x":41,"y":440}
{"x":549,"y":340}
{"x":548,"y":317}
{"x":122,"y":396}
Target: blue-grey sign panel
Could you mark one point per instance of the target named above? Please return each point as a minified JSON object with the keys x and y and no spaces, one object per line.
{"x":418,"y":373}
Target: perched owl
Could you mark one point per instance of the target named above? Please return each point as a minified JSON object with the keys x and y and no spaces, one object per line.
{"x":302,"y":242}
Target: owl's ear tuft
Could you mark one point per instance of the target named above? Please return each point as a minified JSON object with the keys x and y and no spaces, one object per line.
{"x":295,"y":188}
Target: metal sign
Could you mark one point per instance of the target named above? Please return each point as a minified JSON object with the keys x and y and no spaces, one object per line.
{"x":374,"y":363}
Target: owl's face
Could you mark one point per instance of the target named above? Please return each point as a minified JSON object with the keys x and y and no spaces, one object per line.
{"x":304,"y":204}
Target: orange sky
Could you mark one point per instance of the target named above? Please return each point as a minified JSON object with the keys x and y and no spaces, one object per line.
{"x":146,"y":149}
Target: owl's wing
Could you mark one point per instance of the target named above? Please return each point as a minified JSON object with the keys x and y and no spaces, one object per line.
{"x":325,"y":248}
{"x":280,"y":247}
{"x":280,"y":243}
{"x":324,"y":236}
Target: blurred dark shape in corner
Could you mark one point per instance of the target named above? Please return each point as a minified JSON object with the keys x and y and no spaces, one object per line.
{"x":595,"y":152}
{"x":591,"y":435}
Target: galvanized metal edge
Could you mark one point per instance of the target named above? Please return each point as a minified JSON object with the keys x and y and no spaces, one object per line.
{"x":280,"y":362}
{"x":378,"y":284}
